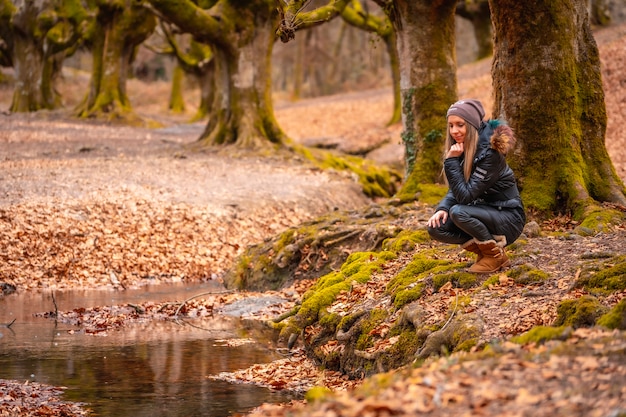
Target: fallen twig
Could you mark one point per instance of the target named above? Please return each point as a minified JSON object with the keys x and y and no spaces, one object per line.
{"x":453,"y":311}
{"x":196,"y":296}
{"x":56,"y":307}
{"x":7,"y":325}
{"x":286,"y":314}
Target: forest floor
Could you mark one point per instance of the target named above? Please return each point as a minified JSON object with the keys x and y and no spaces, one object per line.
{"x":90,"y":205}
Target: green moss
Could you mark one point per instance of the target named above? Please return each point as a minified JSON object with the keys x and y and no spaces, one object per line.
{"x":540,"y":334}
{"x":407,"y":285}
{"x":348,"y":321}
{"x":519,"y":243}
{"x":430,"y":193}
{"x":406,"y":241}
{"x":376,"y":181}
{"x":608,"y":276}
{"x":600,"y":220}
{"x":527,"y":274}
{"x":375,"y":317}
{"x":420,"y":263}
{"x":317,"y":394}
{"x":616,"y":318}
{"x":492,"y":280}
{"x":466,"y":345}
{"x":330,"y":320}
{"x":359,"y":268}
{"x":460,"y":279}
{"x":408,"y":295}
{"x":403,"y":351}
{"x":465,"y":337}
{"x":581,"y":312}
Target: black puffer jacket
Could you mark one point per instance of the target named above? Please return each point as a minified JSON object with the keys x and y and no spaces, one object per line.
{"x":492,"y":181}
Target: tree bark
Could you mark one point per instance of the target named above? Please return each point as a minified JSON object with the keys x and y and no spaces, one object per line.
{"x":547,"y":83}
{"x":28,"y":66}
{"x":206,"y":82}
{"x":119,"y":31}
{"x":242,"y":110}
{"x":426,"y":48}
{"x":177,"y":102}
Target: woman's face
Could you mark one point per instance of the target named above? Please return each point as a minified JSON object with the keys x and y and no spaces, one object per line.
{"x":458,"y":128}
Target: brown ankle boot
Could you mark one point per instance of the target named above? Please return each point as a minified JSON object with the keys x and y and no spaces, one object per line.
{"x":494,"y":256}
{"x":472,"y":246}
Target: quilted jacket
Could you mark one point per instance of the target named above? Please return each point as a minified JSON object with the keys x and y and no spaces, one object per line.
{"x":492,"y":181}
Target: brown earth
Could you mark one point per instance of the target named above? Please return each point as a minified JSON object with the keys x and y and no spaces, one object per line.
{"x":94,"y":205}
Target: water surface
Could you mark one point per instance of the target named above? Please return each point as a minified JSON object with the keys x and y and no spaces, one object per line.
{"x":149,"y":369}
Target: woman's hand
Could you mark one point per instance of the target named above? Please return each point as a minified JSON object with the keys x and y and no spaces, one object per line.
{"x":456,"y":150}
{"x":437,"y":219}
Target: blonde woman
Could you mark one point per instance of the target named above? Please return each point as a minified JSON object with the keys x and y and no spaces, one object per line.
{"x":482,"y":211}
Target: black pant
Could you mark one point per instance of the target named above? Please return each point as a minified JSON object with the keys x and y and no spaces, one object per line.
{"x":480,"y":222}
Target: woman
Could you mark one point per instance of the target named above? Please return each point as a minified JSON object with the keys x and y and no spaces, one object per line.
{"x":482,"y":211}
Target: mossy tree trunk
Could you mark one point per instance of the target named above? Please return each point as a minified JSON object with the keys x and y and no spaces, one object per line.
{"x":426,"y":48}
{"x":121,"y":27}
{"x":548,"y":85}
{"x":242,"y":111}
{"x":177,"y":101}
{"x":241,"y":37}
{"x":37,"y":38}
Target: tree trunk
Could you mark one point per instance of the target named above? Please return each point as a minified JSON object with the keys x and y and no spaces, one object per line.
{"x":426,"y":48}
{"x":206,"y":82}
{"x":28,"y":58}
{"x":394,"y":63}
{"x":28,"y":66}
{"x":51,"y":72}
{"x":36,"y":38}
{"x":242,"y":38}
{"x":242,"y":111}
{"x":547,"y":83}
{"x":177,"y":102}
{"x":119,"y":32}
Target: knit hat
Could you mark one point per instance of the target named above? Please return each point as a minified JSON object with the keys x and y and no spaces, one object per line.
{"x":471,"y":110}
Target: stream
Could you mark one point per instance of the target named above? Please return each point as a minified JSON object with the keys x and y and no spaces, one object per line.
{"x":148,"y":369}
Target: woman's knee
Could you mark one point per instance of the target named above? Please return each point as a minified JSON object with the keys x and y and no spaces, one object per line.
{"x":457,"y":214}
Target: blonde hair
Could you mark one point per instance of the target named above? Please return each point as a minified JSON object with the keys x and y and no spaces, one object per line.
{"x":469,"y":148}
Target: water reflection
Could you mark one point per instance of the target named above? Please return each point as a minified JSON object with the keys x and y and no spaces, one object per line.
{"x":151,"y":369}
